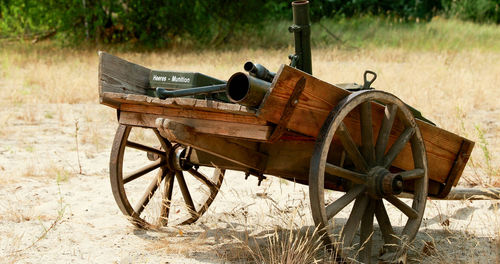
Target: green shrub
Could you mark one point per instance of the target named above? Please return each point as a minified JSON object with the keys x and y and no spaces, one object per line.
{"x":206,"y":23}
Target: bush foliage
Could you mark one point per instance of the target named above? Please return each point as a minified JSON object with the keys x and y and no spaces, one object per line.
{"x":163,"y":23}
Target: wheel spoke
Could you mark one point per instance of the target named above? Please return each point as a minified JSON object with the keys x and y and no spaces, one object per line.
{"x":185,"y":193}
{"x":339,"y":204}
{"x":203,"y":179}
{"x":412,"y":174}
{"x":367,"y":147}
{"x":167,"y":198}
{"x":385,"y":131}
{"x":407,"y":210}
{"x":344,"y":173}
{"x":398,"y":146}
{"x":165,"y":144}
{"x":366,"y":232}
{"x":351,"y":148}
{"x":385,"y":224}
{"x":140,"y":172}
{"x":148,"y":194}
{"x":352,"y":224}
{"x":145,"y":148}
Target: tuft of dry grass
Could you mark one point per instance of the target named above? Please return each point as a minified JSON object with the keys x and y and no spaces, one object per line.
{"x":286,"y":246}
{"x":48,"y":170}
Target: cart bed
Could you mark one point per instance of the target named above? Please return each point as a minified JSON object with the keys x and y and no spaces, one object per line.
{"x":124,"y":86}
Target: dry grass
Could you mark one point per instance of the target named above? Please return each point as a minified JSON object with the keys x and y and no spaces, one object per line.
{"x":286,"y":246}
{"x":46,"y":169}
{"x":459,"y":245}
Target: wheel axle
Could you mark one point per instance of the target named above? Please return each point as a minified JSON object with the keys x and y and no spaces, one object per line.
{"x":382,"y":182}
{"x":179,"y":158}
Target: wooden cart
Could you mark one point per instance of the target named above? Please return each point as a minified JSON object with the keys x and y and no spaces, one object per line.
{"x":365,"y":144}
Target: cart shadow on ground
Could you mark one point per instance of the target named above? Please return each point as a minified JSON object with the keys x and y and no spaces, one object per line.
{"x":239,"y":243}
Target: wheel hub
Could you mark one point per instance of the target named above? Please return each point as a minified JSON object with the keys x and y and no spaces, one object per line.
{"x":179,"y":158}
{"x":382,"y":182}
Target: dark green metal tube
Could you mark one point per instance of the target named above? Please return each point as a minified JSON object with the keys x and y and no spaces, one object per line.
{"x":259,"y":71}
{"x":302,"y":34}
{"x":164,"y":93}
{"x":246,"y":90}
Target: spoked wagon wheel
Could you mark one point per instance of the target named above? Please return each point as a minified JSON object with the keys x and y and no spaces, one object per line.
{"x":150,"y":178}
{"x":367,"y":172}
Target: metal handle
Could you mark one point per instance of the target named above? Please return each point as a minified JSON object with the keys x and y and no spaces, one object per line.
{"x":367,"y":83}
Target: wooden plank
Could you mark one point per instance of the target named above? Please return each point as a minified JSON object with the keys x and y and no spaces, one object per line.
{"x":288,"y":111}
{"x":319,"y":98}
{"x":185,"y":103}
{"x":460,"y":193}
{"x":457,"y":168}
{"x":219,"y":128}
{"x":473,"y":194}
{"x":120,"y":76}
{"x":288,"y":158}
{"x":227,"y":129}
{"x":461,"y":161}
{"x":192,"y":113}
{"x":315,"y":102}
{"x":218,"y":146}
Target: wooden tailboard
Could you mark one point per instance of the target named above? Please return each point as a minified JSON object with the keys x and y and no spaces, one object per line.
{"x":447,"y":153}
{"x":120,"y":76}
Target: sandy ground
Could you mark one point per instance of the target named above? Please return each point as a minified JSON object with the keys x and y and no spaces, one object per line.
{"x":52,"y":213}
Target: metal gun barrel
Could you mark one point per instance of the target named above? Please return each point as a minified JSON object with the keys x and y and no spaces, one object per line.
{"x":259,"y":71}
{"x":302,"y":33}
{"x":246,"y":90}
{"x":163,"y":93}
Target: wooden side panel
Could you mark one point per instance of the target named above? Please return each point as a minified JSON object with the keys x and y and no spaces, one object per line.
{"x":120,"y":76}
{"x":184,"y":103}
{"x":316,"y":101}
{"x":288,"y":159}
{"x":319,"y":98}
{"x":192,"y":113}
{"x":244,"y":155}
{"x":213,"y":127}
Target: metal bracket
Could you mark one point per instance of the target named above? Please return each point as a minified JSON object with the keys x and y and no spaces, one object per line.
{"x":260,"y":176}
{"x":294,"y":58}
{"x":297,"y":28}
{"x":288,"y":110}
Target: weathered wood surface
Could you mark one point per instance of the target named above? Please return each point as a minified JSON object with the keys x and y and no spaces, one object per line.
{"x":123,"y":85}
{"x":288,"y":159}
{"x":120,"y":76}
{"x":225,"y":148}
{"x":220,"y":128}
{"x":192,"y":113}
{"x":460,"y":193}
{"x":319,"y":98}
{"x":184,"y":103}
